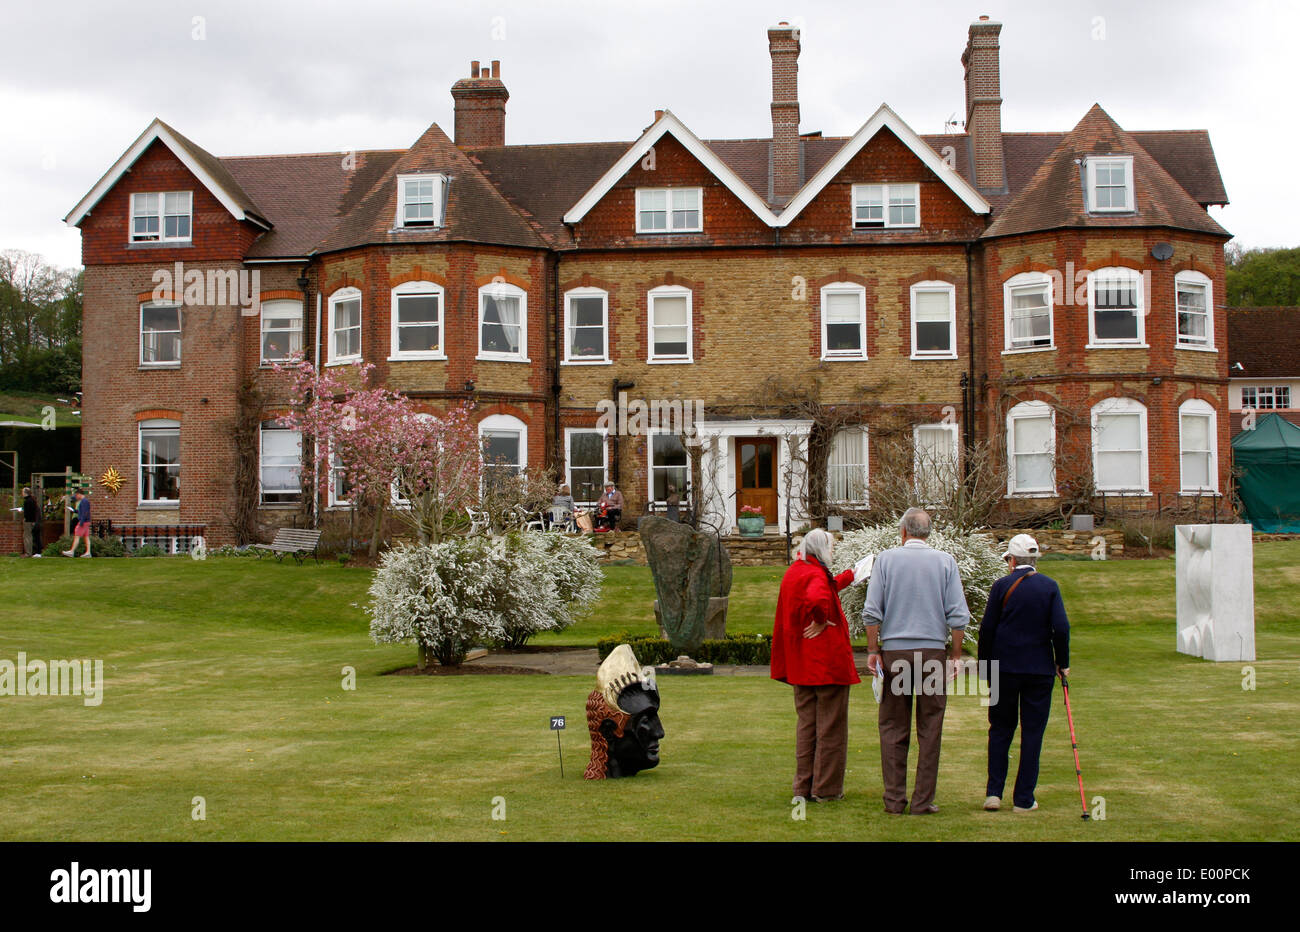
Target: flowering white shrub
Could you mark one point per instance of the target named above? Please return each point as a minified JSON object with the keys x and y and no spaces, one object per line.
{"x":450,"y":596}
{"x":978,"y":560}
{"x":551,"y":579}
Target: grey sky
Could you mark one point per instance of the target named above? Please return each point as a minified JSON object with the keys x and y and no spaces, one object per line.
{"x":79,"y":81}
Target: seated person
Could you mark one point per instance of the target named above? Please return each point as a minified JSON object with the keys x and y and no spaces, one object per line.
{"x":563,"y":499}
{"x":612,"y":502}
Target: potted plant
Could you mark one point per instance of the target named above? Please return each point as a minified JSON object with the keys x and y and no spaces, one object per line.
{"x":751,"y":521}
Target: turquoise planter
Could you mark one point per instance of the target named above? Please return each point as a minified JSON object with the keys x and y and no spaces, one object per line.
{"x":751,"y":525}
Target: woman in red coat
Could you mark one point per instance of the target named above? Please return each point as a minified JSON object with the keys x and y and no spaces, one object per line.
{"x":811,"y":651}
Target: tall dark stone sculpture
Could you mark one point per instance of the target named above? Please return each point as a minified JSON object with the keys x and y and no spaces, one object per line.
{"x":623,"y":718}
{"x":692,"y":574}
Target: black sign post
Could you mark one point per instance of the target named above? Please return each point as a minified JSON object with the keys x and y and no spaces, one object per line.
{"x":557,"y":726}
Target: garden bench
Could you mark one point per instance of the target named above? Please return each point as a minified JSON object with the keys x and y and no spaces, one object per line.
{"x":293,"y":541}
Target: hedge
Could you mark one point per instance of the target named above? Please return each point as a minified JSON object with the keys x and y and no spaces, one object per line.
{"x":742,"y":649}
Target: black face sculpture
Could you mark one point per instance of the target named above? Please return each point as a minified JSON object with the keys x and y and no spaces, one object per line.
{"x":638,"y":749}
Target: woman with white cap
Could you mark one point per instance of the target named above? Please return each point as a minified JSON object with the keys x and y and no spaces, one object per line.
{"x":811,"y":651}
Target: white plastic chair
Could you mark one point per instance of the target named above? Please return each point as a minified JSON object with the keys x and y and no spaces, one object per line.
{"x":478,"y":520}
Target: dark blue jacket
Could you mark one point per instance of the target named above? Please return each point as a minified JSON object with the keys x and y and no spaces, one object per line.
{"x":1031,"y":635}
{"x":83,"y":510}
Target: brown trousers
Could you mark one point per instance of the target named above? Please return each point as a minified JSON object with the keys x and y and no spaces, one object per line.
{"x":896,"y":724}
{"x":821,"y":740}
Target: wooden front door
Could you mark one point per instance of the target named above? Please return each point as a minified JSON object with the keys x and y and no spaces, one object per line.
{"x":756,"y":475}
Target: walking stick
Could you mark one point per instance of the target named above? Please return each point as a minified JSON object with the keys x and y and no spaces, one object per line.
{"x":1074,"y":743}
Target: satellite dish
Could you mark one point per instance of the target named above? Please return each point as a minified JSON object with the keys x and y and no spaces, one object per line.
{"x":1162,"y":251}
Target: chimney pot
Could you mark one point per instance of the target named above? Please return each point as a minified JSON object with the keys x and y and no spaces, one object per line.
{"x":480,"y":107}
{"x":659,"y":115}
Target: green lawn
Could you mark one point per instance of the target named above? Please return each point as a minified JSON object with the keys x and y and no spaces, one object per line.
{"x":224,"y":680}
{"x":29,"y":406}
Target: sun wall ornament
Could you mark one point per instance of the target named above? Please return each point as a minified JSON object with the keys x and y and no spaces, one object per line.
{"x":112,"y":480}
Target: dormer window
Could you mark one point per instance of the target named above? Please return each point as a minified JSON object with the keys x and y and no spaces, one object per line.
{"x":419,"y":200}
{"x":886,"y":205}
{"x":161,"y":217}
{"x":669,"y":210}
{"x":1110,"y":184}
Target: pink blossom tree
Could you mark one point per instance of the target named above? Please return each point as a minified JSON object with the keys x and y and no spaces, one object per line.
{"x":427,"y":466}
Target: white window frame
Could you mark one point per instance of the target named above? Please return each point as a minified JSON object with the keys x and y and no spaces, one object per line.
{"x":280,"y":303}
{"x":1122,"y":406}
{"x":569,"y":467}
{"x":162,"y":216}
{"x":864,"y":465}
{"x":670,"y":291}
{"x":650,"y":466}
{"x":586,"y":292}
{"x":1198,"y":407}
{"x":437,"y":204}
{"x":262,"y":431}
{"x":1029,"y":410}
{"x":887,"y":191}
{"x":1130,"y":194}
{"x":500,"y":289}
{"x":951,"y":428}
{"x":934,"y":286}
{"x":416,"y":289}
{"x":505,"y":423}
{"x":179,"y":331}
{"x":1140,"y":342}
{"x":858,"y":291}
{"x":1025,"y":281}
{"x":669,"y":210}
{"x":337,"y":298}
{"x":141,"y":427}
{"x":1273,"y":391}
{"x":1201,"y":280}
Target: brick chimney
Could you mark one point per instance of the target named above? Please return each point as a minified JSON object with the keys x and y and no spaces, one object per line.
{"x":984,"y":104}
{"x":783,"y":44}
{"x":480,"y":107}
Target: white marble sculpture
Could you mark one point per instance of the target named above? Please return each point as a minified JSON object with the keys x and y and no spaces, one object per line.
{"x":1216,"y":591}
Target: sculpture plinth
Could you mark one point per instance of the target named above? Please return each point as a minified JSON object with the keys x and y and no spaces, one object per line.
{"x":1215,"y":591}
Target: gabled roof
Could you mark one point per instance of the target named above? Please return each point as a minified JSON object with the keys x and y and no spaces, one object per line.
{"x":665,"y":125}
{"x":1265,"y":341}
{"x":1054,"y":196}
{"x":475,"y":210}
{"x":203,"y":165}
{"x":883,"y":118}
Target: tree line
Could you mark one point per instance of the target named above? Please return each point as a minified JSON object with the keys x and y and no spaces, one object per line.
{"x":40,"y":324}
{"x":1262,"y":277}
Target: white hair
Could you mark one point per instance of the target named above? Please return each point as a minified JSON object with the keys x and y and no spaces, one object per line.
{"x":817,"y":543}
{"x":916,"y":522}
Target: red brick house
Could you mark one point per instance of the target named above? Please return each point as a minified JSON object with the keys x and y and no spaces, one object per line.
{"x":1053,"y":293}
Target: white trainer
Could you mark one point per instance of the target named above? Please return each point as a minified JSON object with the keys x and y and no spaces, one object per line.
{"x":992,"y":804}
{"x":1022,"y":809}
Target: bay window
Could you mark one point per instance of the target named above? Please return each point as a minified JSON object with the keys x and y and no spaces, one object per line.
{"x":1031,"y":449}
{"x":1119,"y":446}
{"x":417,"y":321}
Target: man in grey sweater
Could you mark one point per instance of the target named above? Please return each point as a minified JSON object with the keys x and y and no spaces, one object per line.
{"x":914,"y":601}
